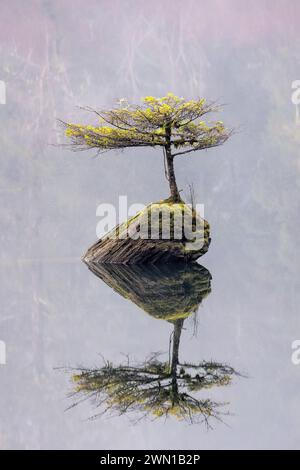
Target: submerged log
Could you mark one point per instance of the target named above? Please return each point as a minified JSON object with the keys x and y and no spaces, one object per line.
{"x":162,"y":232}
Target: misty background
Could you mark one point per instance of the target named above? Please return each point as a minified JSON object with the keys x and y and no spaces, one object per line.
{"x":58,"y":55}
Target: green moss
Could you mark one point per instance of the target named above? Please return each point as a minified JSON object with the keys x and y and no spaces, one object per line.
{"x":165,"y":220}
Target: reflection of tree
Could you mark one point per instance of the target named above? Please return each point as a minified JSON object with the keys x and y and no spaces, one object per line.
{"x":157,"y":388}
{"x":160,"y":389}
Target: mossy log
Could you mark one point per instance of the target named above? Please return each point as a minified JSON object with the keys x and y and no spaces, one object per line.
{"x":167,"y":292}
{"x":162,"y":232}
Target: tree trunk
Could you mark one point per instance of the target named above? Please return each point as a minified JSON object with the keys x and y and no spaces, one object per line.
{"x":170,"y":165}
{"x":171,"y":177}
{"x":178,"y":324}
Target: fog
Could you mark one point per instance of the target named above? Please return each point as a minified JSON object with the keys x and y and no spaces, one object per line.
{"x":57,"y":56}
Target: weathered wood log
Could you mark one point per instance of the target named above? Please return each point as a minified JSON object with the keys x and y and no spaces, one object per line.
{"x":165,"y":291}
{"x":162,"y":232}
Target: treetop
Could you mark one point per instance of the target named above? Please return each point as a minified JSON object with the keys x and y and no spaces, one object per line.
{"x":170,"y":122}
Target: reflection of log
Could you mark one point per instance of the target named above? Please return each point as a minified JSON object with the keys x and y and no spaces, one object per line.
{"x":162,"y":232}
{"x":164,"y":291}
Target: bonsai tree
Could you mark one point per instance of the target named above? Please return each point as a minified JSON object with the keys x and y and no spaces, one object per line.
{"x":172,"y":123}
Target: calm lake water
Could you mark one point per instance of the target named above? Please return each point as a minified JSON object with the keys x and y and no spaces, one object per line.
{"x":56,"y":314}
{"x":59,"y":314}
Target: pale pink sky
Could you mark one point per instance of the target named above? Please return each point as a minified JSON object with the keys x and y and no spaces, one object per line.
{"x":238,"y":22}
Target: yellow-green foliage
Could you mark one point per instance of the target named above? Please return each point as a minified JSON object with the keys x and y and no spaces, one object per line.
{"x":152,"y":388}
{"x":169,"y":120}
